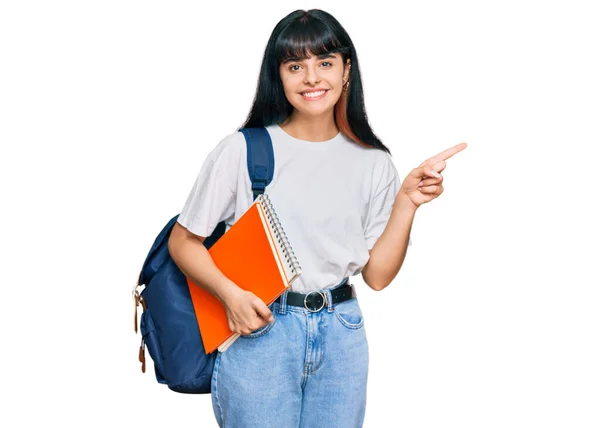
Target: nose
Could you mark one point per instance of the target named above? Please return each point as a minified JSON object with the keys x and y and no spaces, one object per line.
{"x":312,"y":76}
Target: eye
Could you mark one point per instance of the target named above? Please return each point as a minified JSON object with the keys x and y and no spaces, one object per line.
{"x":326,"y":63}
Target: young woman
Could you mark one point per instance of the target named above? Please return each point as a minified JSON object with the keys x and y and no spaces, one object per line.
{"x":303,"y":360}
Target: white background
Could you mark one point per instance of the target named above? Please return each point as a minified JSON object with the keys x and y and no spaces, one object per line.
{"x":108,"y":109}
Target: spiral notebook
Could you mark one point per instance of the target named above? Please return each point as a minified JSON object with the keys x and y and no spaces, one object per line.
{"x":254,"y":253}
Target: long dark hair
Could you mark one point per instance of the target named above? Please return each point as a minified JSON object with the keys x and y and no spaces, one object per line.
{"x":298,"y":34}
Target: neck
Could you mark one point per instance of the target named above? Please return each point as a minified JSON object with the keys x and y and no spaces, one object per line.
{"x":310,"y":128}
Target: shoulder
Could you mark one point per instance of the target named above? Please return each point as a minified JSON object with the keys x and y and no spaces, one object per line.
{"x":379,"y":160}
{"x":385,"y":162}
{"x":372,"y":155}
{"x":232,"y":147}
{"x":383,"y":171}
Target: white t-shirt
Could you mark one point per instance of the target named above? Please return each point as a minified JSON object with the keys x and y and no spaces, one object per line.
{"x":333,"y":199}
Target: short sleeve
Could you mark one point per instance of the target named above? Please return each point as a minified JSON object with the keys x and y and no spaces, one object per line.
{"x":213,"y":195}
{"x":380,"y":208}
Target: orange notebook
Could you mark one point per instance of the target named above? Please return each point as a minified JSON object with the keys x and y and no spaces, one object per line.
{"x":256,"y":255}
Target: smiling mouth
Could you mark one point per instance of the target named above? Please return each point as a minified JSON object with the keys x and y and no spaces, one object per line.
{"x":313,"y":95}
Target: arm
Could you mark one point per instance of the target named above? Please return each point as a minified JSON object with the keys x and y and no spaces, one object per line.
{"x":193,"y":259}
{"x":191,"y":256}
{"x":422,"y":185}
{"x":388,"y":253}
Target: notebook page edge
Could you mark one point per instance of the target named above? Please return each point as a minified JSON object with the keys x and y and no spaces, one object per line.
{"x":274,"y":245}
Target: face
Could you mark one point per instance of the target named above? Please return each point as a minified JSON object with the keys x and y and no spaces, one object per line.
{"x":305,"y":80}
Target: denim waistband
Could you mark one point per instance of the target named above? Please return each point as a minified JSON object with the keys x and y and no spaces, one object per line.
{"x":282,"y":306}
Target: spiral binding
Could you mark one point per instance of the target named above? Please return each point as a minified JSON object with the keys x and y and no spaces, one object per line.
{"x":282,"y":238}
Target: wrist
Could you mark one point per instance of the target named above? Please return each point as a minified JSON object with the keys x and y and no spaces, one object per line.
{"x":228,"y":291}
{"x":404,"y":203}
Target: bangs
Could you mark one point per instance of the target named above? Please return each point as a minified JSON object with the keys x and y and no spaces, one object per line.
{"x":305,"y":37}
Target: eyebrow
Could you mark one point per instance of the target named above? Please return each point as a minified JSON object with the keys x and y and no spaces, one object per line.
{"x":295,"y":58}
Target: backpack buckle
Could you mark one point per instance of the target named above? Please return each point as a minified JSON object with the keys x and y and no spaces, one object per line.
{"x":137,"y":299}
{"x":258,"y":187}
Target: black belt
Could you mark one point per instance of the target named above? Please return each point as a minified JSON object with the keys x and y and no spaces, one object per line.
{"x":314,"y":301}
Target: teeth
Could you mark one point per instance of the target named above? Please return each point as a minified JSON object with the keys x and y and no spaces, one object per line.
{"x":313,"y":94}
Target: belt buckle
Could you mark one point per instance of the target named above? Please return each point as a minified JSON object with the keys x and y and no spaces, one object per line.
{"x":322,"y":306}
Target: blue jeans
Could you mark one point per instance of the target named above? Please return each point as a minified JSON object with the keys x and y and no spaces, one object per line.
{"x":304,"y":369}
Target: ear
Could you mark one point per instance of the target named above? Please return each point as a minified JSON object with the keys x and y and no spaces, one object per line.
{"x":347,"y":69}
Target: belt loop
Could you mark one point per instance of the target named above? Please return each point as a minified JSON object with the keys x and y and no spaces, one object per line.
{"x":283,"y":302}
{"x":327,"y":292}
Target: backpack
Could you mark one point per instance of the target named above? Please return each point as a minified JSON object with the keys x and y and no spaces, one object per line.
{"x":168,"y":323}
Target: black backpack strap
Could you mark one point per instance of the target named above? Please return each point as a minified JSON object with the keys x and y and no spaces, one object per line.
{"x":260,"y":157}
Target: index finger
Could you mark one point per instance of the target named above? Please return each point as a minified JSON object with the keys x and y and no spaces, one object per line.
{"x":446,"y":154}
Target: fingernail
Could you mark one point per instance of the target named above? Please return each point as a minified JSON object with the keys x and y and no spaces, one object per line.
{"x":435,"y":173}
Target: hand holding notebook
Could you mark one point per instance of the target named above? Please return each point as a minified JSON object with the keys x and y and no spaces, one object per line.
{"x":256,"y":255}
{"x":246,"y":310}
